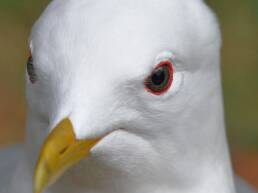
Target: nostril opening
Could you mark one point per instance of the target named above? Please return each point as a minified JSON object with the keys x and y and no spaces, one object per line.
{"x":63,"y":150}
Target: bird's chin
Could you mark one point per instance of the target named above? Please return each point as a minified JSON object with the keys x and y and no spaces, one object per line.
{"x":116,"y":150}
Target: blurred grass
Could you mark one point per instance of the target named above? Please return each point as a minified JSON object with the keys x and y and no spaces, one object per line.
{"x":239,"y":24}
{"x":16,"y":19}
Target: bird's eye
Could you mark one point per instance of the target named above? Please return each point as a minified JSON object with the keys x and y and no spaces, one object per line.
{"x":31,"y":70}
{"x":160,"y":79}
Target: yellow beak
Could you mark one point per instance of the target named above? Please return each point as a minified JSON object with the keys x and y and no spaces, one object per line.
{"x":60,"y":151}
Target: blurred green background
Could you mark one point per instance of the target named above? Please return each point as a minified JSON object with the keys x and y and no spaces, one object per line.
{"x":239,"y":24}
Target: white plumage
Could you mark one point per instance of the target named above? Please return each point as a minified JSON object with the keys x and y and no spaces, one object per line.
{"x":91,"y":59}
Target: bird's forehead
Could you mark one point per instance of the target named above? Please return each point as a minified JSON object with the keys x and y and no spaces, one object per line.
{"x":109,"y":34}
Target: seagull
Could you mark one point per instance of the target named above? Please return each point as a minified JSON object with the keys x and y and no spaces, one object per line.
{"x":123,"y":97}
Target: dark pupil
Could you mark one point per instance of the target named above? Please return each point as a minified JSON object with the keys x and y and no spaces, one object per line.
{"x":31,"y":70}
{"x":158,"y":77}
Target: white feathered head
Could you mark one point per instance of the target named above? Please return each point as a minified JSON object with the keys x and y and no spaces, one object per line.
{"x":135,"y":83}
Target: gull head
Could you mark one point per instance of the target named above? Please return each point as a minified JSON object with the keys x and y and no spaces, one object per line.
{"x":135,"y":83}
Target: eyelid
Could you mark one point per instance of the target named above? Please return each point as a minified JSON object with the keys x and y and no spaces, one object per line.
{"x":165,"y":55}
{"x":172,"y":57}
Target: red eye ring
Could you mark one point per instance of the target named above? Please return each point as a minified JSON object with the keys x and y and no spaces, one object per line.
{"x":161,"y":78}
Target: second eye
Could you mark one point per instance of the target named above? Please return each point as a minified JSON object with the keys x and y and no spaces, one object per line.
{"x":31,"y":70}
